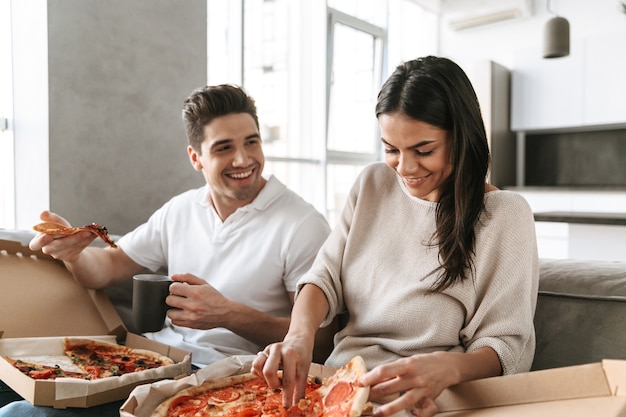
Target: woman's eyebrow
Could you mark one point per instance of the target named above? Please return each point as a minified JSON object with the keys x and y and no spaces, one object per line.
{"x":417,"y":145}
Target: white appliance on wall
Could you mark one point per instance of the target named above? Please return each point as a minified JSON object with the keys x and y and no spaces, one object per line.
{"x":467,"y":14}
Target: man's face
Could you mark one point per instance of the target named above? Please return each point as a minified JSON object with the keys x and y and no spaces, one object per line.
{"x":231,"y":161}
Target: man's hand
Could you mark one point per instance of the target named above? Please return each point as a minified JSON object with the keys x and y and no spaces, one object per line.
{"x":64,"y":248}
{"x":196,"y":304}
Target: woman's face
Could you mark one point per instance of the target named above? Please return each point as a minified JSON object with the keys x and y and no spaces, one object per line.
{"x":418,"y":152}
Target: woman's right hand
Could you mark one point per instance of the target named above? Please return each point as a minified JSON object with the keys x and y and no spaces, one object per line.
{"x":293,"y":356}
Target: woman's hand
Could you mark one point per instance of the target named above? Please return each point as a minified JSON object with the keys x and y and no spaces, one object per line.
{"x":418,"y":380}
{"x":293,"y":356}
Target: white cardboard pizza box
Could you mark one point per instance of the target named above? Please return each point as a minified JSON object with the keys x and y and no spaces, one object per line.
{"x":40,"y":304}
{"x":596,"y":389}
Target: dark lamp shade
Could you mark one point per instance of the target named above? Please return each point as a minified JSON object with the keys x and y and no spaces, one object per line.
{"x":556,"y":38}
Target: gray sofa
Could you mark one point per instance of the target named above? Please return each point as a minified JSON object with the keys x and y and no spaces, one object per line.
{"x":581,"y":312}
{"x":580,"y":317}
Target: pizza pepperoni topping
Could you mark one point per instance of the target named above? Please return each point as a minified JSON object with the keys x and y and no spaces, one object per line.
{"x":338,"y":393}
{"x":224,"y":395}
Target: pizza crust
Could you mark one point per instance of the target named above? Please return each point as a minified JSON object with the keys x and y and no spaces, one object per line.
{"x":163,"y":409}
{"x":72,"y":343}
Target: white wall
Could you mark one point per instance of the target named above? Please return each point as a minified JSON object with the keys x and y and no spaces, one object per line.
{"x":500,"y":41}
{"x":98,"y":92}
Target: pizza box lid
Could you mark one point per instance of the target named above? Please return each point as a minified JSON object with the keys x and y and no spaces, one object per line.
{"x":41,"y":302}
{"x":575,"y":391}
{"x":39,"y":297}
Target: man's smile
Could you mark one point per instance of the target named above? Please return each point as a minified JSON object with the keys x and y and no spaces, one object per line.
{"x":241,"y":175}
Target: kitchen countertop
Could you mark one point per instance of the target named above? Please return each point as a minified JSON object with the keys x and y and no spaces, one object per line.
{"x":618,"y":219}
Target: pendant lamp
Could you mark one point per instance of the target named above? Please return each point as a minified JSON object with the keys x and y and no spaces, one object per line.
{"x":556,"y":36}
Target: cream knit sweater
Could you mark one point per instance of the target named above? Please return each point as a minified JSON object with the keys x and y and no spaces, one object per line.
{"x":375,"y":266}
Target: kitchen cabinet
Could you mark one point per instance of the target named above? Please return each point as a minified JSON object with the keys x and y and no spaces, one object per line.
{"x":547,"y":93}
{"x":577,"y":239}
{"x":605,"y":80}
{"x":585,"y":90}
{"x":492,"y":83}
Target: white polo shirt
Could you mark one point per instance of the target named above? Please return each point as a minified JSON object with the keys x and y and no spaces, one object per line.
{"x":255,"y":257}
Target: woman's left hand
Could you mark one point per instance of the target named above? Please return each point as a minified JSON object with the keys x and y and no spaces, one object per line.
{"x":418,"y":380}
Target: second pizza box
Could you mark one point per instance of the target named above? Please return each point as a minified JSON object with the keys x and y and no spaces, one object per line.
{"x":595,"y":389}
{"x":40,"y":304}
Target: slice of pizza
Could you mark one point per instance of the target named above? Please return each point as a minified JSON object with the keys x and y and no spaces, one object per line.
{"x":41,"y":371}
{"x":102,"y":359}
{"x":341,"y":394}
{"x":58,"y":230}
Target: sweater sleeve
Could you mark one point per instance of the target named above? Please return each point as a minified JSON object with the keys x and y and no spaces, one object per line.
{"x":325,"y":272}
{"x":506,"y":283}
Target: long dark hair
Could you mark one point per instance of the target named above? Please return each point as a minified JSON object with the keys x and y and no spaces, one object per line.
{"x":437,"y":91}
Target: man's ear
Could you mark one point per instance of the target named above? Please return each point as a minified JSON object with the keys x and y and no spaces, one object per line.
{"x":194,"y":158}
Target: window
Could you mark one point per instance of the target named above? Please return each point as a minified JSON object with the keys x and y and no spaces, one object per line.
{"x":355,"y":63}
{"x":314,"y":70}
{"x":7,"y":163}
{"x":289,"y":88}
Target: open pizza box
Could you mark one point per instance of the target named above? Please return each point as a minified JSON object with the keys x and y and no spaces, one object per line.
{"x":143,"y":400}
{"x":40,"y":305}
{"x":597,"y":389}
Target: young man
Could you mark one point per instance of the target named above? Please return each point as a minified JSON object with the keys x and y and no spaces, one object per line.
{"x":235,"y":247}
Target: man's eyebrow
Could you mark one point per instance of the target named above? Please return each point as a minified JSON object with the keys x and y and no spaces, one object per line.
{"x":253,"y":136}
{"x":226,"y":141}
{"x":220,"y":143}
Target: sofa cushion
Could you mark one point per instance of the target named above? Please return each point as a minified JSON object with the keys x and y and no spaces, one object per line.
{"x":581,"y":312}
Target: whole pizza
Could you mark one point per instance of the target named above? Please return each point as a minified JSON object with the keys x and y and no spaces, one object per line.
{"x":92,"y":359}
{"x":247,"y":395}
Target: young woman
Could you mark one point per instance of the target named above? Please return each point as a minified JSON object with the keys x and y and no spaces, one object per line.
{"x":435,"y":269}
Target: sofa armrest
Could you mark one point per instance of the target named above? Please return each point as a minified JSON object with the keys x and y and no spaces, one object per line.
{"x":581,"y":311}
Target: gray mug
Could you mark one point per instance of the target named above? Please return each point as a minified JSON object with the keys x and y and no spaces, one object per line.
{"x":149,"y":307}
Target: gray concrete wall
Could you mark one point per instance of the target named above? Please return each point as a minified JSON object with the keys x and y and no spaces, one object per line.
{"x":118,"y":72}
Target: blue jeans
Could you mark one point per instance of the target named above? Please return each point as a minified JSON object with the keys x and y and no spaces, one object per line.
{"x":17,"y":407}
{"x":12,"y":405}
{"x":23,"y":408}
